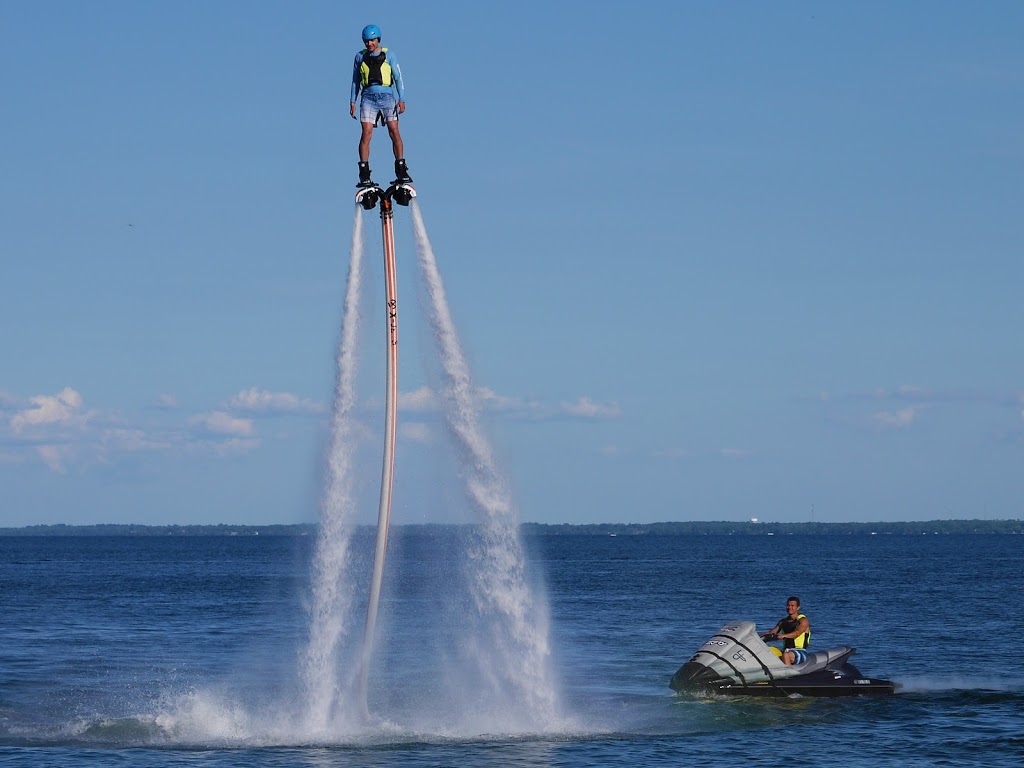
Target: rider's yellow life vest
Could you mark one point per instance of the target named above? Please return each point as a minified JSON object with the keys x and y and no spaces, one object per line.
{"x":375,"y":70}
{"x":800,"y":641}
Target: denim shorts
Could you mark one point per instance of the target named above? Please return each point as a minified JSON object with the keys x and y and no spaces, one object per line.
{"x":378,"y":107}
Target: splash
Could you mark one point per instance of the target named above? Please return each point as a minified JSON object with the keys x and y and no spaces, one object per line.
{"x":502,"y":678}
{"x":511,"y":645}
{"x":331,"y":600}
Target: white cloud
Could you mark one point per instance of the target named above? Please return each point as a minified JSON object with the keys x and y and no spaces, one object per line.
{"x":64,"y":409}
{"x":54,"y":456}
{"x":256,"y":400}
{"x":901,"y":419}
{"x":170,"y":402}
{"x":221,"y":423}
{"x":912,"y":392}
{"x":492,"y":401}
{"x":417,"y":432}
{"x":903,"y":408}
{"x":58,"y":429}
{"x":132,"y":440}
{"x":585,"y":408}
{"x":418,"y":401}
{"x":222,"y":434}
{"x":63,"y":434}
{"x":426,"y":400}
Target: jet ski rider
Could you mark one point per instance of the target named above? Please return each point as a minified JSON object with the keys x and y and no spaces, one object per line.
{"x":795,"y":632}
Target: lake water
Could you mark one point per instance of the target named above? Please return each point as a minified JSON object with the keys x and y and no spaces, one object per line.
{"x":137,"y":651}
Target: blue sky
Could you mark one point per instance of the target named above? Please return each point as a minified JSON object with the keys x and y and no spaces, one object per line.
{"x":709,"y":261}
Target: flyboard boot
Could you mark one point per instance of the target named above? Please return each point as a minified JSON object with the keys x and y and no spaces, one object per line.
{"x":364,"y":174}
{"x":402,"y":172}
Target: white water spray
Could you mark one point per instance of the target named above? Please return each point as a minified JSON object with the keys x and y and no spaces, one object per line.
{"x":331,"y":601}
{"x":514,"y":659}
{"x":511,"y":689}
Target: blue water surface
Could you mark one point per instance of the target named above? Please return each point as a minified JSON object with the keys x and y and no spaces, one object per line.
{"x":170,"y":651}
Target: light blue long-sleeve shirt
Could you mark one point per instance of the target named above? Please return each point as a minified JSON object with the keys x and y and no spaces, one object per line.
{"x":396,"y":77}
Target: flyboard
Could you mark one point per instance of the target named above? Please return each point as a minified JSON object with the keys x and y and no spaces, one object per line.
{"x":369,"y":197}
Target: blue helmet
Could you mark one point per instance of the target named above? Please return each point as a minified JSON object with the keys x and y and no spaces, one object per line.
{"x":371,"y":32}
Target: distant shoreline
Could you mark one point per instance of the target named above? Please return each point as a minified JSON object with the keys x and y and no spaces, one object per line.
{"x":683,"y":528}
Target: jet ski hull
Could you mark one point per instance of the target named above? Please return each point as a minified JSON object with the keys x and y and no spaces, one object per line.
{"x":736,"y":662}
{"x":825,"y":682}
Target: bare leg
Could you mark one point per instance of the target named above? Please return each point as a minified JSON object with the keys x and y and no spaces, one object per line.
{"x":364,"y":141}
{"x":396,"y":140}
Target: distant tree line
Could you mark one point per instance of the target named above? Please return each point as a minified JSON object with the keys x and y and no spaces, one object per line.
{"x":128,"y":529}
{"x":684,"y":528}
{"x":721,"y":528}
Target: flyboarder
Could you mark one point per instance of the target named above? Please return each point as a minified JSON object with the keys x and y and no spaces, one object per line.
{"x":376,"y":74}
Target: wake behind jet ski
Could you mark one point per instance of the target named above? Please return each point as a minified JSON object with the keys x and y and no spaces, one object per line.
{"x":736,"y":661}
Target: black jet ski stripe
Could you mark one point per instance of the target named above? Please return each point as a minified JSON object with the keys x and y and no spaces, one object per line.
{"x":728,"y":664}
{"x":771,"y":677}
{"x":767,"y":671}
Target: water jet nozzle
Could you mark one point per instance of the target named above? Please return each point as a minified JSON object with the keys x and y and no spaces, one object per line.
{"x":401,"y":193}
{"x":368,"y":197}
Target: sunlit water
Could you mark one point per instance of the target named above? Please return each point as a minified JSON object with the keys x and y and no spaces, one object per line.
{"x":173,"y":651}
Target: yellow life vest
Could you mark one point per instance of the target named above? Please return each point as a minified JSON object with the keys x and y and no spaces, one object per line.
{"x":375,"y":70}
{"x":800,"y":641}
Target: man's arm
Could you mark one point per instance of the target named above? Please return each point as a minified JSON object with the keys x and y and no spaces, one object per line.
{"x":356,"y":84}
{"x":396,"y":78}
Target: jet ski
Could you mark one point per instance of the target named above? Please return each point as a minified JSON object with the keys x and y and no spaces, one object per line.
{"x":736,"y":661}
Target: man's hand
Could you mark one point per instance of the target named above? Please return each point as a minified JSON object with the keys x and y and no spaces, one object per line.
{"x":352,"y":108}
{"x":401,"y":107}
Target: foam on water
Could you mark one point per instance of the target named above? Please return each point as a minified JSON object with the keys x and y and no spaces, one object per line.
{"x":955,"y":682}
